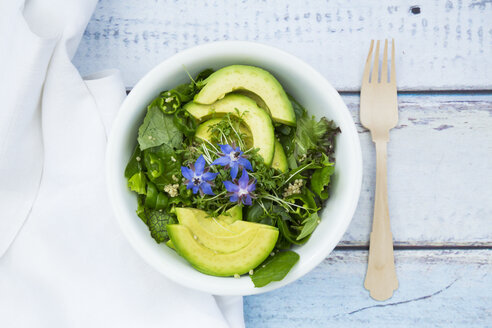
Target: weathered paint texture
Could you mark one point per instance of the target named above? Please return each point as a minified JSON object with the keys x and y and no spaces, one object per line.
{"x":438,"y":288}
{"x":445,"y":46}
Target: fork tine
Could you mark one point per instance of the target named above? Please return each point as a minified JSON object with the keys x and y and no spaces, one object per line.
{"x":384,"y":68}
{"x":393,"y":59}
{"x":375,"y":68}
{"x":367,"y":68}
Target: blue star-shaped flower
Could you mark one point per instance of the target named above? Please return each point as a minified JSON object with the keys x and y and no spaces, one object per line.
{"x":198,"y":177}
{"x":233,"y":158}
{"x":242,"y":190}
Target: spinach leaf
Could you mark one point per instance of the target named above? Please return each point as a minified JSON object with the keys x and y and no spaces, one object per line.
{"x":286,"y":136}
{"x":134,"y":165}
{"x":157,"y":221}
{"x":310,"y":223}
{"x":286,"y":233}
{"x":274,"y":268}
{"x":202,"y":76}
{"x":321,"y":179}
{"x":299,"y":110}
{"x":254,"y":213}
{"x":184,"y":92}
{"x":305,"y":199}
{"x":141,"y":208}
{"x":185,"y":122}
{"x":157,"y":129}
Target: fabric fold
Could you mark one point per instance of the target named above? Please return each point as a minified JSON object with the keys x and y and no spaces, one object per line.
{"x":70,"y":265}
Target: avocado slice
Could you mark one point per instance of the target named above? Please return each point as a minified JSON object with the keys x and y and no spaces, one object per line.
{"x":215,"y":263}
{"x":232,"y":215}
{"x":229,"y":224}
{"x":213,"y":233}
{"x":203,"y":131}
{"x":217,"y":225}
{"x":279,"y":161}
{"x":169,"y":244}
{"x":257,"y":120}
{"x":239,"y":226}
{"x":222,"y":222}
{"x":199,"y":222}
{"x":252,"y":79}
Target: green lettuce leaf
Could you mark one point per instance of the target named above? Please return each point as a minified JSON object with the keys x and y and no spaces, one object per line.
{"x":134,"y":166}
{"x":157,"y":129}
{"x":138,"y":183}
{"x":274,"y":268}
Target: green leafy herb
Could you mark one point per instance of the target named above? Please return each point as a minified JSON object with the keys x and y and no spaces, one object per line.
{"x":308,"y":134}
{"x":285,"y":232}
{"x":157,"y":221}
{"x":151,"y":196}
{"x":275,"y":268}
{"x":134,"y":166}
{"x":310,"y":223}
{"x":157,"y":129}
{"x":200,"y":78}
{"x":321,"y":179}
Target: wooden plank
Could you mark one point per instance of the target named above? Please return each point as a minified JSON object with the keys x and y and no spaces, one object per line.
{"x":442,"y":288}
{"x":439,"y":172}
{"x":448,"y":45}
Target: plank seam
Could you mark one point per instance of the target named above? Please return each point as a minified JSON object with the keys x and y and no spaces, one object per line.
{"x":417,"y":247}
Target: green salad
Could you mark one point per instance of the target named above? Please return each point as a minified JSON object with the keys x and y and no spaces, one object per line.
{"x":231,"y":172}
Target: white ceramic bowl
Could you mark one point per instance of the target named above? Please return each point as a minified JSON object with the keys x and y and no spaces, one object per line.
{"x":300,"y":80}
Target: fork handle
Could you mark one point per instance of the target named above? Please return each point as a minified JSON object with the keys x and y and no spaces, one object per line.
{"x":381,"y":278}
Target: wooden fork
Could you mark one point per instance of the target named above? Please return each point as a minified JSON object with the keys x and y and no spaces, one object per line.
{"x":379,"y":114}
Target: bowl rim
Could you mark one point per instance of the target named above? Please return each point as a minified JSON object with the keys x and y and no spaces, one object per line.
{"x":228,"y":47}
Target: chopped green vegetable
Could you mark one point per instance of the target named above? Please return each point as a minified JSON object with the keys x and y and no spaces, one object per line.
{"x":275,"y":268}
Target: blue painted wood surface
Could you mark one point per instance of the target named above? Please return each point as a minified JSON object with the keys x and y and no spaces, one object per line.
{"x":445,"y":46}
{"x":438,"y":288}
{"x":440,"y":155}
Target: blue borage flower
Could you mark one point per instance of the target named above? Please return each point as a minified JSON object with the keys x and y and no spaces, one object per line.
{"x":198,"y":177}
{"x":233,"y":158}
{"x":241,"y":190}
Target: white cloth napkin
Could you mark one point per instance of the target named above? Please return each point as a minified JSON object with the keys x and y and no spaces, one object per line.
{"x":63,"y":260}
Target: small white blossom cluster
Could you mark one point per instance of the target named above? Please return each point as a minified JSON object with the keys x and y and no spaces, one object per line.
{"x":293,"y":188}
{"x":172,"y":190}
